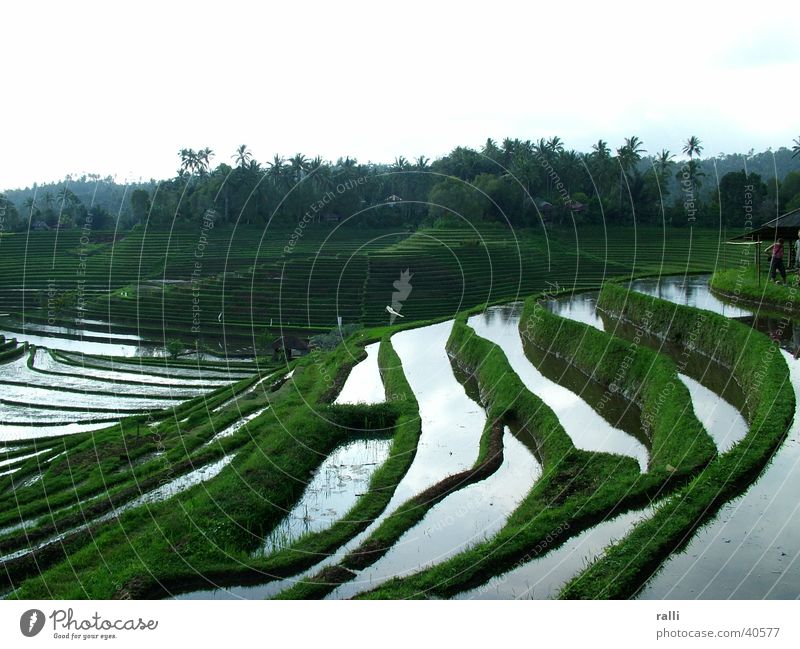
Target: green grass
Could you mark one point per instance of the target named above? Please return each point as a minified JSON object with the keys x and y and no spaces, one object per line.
{"x":742,"y":286}
{"x":208,"y":534}
{"x":757,"y":366}
{"x":216,"y":527}
{"x":577,"y":488}
{"x":349,"y":271}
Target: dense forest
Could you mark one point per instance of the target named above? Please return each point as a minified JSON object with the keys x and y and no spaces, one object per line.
{"x":514,"y":181}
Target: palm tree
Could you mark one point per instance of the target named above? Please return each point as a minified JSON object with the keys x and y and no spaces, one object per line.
{"x":276,"y":169}
{"x":242,"y":156}
{"x":555,"y":144}
{"x":188,"y":161}
{"x":633,"y":150}
{"x":421,"y":163}
{"x":663,"y":162}
{"x":693,"y":147}
{"x":400,"y":164}
{"x":694,"y":173}
{"x":542,"y":148}
{"x":601,"y":150}
{"x":628,"y":155}
{"x":299,"y":166}
{"x":569,"y":163}
{"x":510,"y":148}
{"x":204,"y":159}
{"x":491,"y":150}
{"x":30,"y":205}
{"x":796,"y":147}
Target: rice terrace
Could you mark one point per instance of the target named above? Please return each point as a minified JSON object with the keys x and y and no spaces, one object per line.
{"x":511,"y":372}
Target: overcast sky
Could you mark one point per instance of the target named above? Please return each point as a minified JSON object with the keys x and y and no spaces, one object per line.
{"x":118,"y":87}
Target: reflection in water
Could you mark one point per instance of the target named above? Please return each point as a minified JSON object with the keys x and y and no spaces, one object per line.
{"x":332,"y":492}
{"x":463,"y":519}
{"x":724,"y":423}
{"x":451,"y":428}
{"x":581,"y":307}
{"x":750,"y":549}
{"x":688,"y":290}
{"x":11,"y":432}
{"x":587,"y":429}
{"x":543,"y":578}
{"x":77,"y":332}
{"x":86,"y":346}
{"x":364,"y":384}
{"x":165,"y":491}
{"x":452,"y":423}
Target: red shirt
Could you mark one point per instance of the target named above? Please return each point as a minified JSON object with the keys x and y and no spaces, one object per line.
{"x":777,"y":250}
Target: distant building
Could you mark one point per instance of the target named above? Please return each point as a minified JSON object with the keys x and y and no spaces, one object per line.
{"x":289,"y":347}
{"x":575,"y":206}
{"x":544,"y":208}
{"x":330,"y":217}
{"x":40,"y":225}
{"x":785,"y":226}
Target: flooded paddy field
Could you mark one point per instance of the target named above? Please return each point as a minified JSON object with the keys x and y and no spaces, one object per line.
{"x":70,"y":389}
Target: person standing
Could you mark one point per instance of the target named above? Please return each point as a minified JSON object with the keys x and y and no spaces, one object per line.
{"x":797,"y":254}
{"x":776,"y":260}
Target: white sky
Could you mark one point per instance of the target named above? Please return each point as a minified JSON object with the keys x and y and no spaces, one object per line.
{"x":118,"y":87}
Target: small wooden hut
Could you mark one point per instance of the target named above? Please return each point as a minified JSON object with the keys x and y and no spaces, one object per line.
{"x":289,"y":347}
{"x":786,"y":227}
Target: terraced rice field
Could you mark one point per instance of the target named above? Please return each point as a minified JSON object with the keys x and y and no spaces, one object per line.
{"x":465,"y":451}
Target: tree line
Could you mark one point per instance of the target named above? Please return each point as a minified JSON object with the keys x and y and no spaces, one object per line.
{"x":521,"y":182}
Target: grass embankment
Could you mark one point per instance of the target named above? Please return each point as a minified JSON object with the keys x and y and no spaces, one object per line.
{"x":490,"y":457}
{"x":171,"y":368}
{"x":577,"y":488}
{"x":101,"y":462}
{"x":679,"y":444}
{"x":10,"y":350}
{"x":213,"y":530}
{"x":742,"y":286}
{"x":757,"y":366}
{"x":248,"y":276}
{"x":314,"y":547}
{"x":180,"y":384}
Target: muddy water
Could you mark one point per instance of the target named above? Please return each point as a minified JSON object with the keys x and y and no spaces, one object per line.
{"x":544,"y":578}
{"x":364,"y":383}
{"x":332,"y":492}
{"x":463,"y":519}
{"x":587,"y":429}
